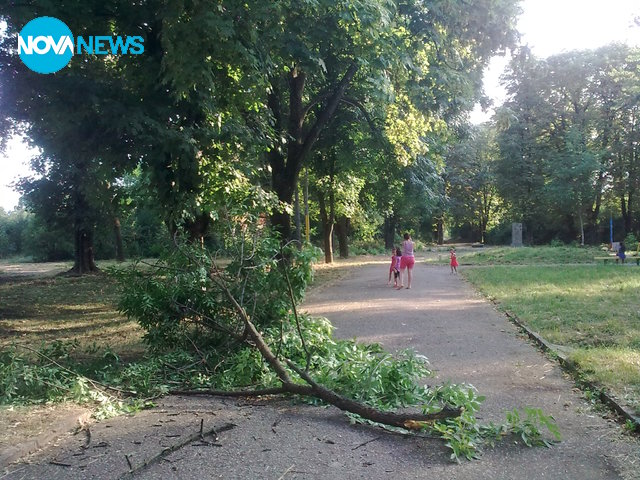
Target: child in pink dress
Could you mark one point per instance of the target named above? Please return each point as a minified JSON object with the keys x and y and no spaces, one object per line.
{"x":395,"y":266}
{"x":454,"y":261}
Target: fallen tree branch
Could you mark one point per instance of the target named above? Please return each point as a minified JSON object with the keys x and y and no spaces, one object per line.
{"x":410,"y":421}
{"x":230,"y":393}
{"x":94,"y":383}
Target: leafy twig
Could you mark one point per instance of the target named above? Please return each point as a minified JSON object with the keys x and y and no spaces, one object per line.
{"x":97,"y":385}
{"x":295,"y":311}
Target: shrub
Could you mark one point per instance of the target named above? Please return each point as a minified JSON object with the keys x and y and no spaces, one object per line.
{"x":631,"y":242}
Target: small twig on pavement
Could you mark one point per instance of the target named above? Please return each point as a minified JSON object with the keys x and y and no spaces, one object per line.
{"x":365,"y":443}
{"x":178,"y":446}
{"x":286,"y":471}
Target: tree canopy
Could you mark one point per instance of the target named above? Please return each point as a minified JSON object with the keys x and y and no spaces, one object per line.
{"x":231,"y":99}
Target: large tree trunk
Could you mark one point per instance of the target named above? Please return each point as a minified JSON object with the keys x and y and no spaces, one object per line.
{"x":440,"y":231}
{"x":581,"y":228}
{"x":296,"y":214}
{"x":195,"y":228}
{"x":626,"y":214}
{"x":342,"y":229}
{"x":286,"y":166}
{"x":117,"y":231}
{"x":84,"y":261}
{"x":198,"y":228}
{"x":389,"y":232}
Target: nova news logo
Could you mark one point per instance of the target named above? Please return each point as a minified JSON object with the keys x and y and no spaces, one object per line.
{"x":46,"y":45}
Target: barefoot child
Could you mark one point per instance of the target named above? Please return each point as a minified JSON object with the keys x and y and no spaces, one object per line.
{"x":454,"y":261}
{"x":395,"y":266}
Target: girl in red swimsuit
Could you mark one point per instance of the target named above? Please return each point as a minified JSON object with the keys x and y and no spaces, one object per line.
{"x":454,"y":261}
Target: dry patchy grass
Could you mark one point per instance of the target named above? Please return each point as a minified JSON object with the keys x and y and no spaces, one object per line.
{"x":83,"y":309}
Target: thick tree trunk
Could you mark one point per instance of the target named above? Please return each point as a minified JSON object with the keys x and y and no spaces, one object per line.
{"x":342,"y":229}
{"x":307,"y":226}
{"x":440,"y":231}
{"x":626,"y":215}
{"x":628,"y":220}
{"x":84,"y":261}
{"x":296,"y":214}
{"x":285,"y":167}
{"x":196,"y":228}
{"x":117,"y":231}
{"x":581,"y":229}
{"x":389,"y":232}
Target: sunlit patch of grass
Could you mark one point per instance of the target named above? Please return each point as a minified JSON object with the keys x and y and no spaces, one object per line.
{"x":33,"y":312}
{"x":610,"y":364}
{"x":593,"y":309}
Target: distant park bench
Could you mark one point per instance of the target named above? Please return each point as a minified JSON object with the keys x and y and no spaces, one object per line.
{"x":630,"y":257}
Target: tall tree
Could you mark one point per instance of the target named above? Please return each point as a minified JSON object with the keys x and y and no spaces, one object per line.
{"x":414,"y":55}
{"x":571,"y":119}
{"x":472,"y":192}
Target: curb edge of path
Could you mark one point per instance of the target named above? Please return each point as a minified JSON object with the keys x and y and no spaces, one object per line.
{"x":571,"y":367}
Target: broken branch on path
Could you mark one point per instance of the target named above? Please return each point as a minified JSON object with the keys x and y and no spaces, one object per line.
{"x":409,"y":421}
{"x":252,"y":337}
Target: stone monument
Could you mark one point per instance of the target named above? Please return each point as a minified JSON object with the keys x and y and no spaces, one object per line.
{"x":516,"y":234}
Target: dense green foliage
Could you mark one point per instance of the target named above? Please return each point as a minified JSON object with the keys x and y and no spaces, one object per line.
{"x":568,"y":144}
{"x":365,"y":95}
{"x":230,"y":96}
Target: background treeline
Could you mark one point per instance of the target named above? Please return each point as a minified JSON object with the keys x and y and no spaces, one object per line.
{"x":355,"y":112}
{"x":562,"y":155}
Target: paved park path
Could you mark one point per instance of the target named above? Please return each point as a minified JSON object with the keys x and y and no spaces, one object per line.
{"x":441,"y":317}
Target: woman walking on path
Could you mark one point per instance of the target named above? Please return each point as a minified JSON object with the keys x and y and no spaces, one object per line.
{"x":408,"y":260}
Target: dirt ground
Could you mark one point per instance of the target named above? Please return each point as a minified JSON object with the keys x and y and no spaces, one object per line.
{"x":21,"y":271}
{"x":441,"y":317}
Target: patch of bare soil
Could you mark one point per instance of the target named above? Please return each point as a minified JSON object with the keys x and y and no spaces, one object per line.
{"x":25,"y":430}
{"x":21,"y":271}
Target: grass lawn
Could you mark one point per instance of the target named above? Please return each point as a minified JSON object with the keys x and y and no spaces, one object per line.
{"x":594,"y":309}
{"x":519,"y":256}
{"x":34,"y":311}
